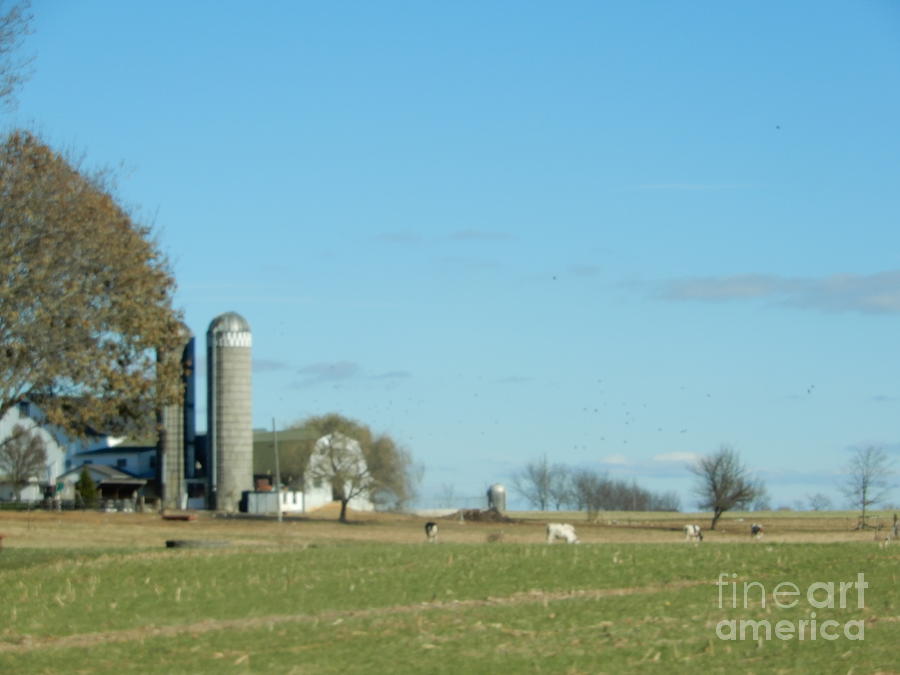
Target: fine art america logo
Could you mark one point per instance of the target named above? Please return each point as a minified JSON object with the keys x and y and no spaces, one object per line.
{"x":787,"y":595}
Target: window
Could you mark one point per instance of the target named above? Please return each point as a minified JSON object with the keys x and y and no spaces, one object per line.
{"x":122,"y":463}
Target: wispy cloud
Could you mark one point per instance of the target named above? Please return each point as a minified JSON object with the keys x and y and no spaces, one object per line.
{"x":868,"y":294}
{"x":688,"y":187}
{"x":335,"y":372}
{"x":515,"y":379}
{"x":269,"y":366}
{"x":679,"y":457}
{"x":392,"y":375}
{"x":402,"y":237}
{"x":666,"y":465}
{"x":480,"y":235}
{"x":469,"y":263}
{"x":615,"y":460}
{"x":319,"y":373}
{"x":585,"y":270}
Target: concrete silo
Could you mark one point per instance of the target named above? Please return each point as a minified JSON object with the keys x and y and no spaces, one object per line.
{"x":229,"y":421}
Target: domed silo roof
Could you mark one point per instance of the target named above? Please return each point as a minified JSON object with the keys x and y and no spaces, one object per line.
{"x":229,"y":322}
{"x":496,"y":495}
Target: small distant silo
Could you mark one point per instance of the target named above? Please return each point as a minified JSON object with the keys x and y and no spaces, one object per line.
{"x":496,"y":496}
{"x":173,"y":431}
{"x":229,"y":421}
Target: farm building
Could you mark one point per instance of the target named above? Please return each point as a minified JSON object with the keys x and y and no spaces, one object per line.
{"x":305,"y":483}
{"x":111,"y":483}
{"x":62,"y":451}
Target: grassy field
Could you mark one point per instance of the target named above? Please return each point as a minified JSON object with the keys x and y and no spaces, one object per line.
{"x":100,"y":593}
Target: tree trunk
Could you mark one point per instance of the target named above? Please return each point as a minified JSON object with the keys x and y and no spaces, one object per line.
{"x":716,"y":515}
{"x":344,"y":510}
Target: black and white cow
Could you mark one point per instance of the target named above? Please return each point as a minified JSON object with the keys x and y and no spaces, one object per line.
{"x":431,"y":531}
{"x":756,"y":531}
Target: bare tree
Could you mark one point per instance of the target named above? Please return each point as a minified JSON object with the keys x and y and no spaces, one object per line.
{"x":534,"y":483}
{"x":560,"y":488}
{"x":723,"y":483}
{"x":667,"y":501}
{"x":87,"y":328}
{"x":588,"y":491}
{"x":819,"y":502}
{"x":15,"y":24}
{"x":868,"y":480}
{"x":762,"y":501}
{"x":23,"y":456}
{"x":447,"y":496}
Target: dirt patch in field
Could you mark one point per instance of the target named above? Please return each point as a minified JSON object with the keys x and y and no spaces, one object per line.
{"x":480,"y":516}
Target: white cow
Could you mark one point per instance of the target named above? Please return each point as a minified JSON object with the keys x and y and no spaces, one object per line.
{"x":693,"y":533}
{"x":431,"y":531}
{"x":562,"y":531}
{"x":756,"y":531}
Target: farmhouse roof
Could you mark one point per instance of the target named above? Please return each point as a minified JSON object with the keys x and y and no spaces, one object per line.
{"x":119,"y":450}
{"x":108,"y":474}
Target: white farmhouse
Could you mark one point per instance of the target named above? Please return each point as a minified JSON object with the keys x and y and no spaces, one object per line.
{"x":66,"y":456}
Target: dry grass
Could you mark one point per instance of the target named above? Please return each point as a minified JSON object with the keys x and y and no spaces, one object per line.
{"x":39,"y":529}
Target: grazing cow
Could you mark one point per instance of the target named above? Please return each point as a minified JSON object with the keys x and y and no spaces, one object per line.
{"x":884,"y":539}
{"x":562,"y":531}
{"x":431,"y":530}
{"x":756,"y":531}
{"x":693,"y":533}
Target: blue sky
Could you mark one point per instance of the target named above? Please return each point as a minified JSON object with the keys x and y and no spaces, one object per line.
{"x":616,"y":234}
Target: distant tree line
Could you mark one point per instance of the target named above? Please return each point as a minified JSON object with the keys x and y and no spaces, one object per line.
{"x":557,"y":486}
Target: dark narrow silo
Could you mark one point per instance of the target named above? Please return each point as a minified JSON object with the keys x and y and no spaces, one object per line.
{"x":229,"y":420}
{"x":189,"y":378}
{"x":172,"y":431}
